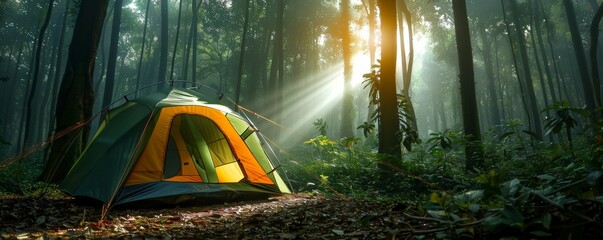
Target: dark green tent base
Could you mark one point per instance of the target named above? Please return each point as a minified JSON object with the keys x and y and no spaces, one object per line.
{"x":166,"y":194}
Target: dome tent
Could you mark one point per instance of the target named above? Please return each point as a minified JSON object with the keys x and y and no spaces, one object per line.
{"x":170,"y":147}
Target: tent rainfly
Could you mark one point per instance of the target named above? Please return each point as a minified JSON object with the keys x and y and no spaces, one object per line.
{"x":169,"y":147}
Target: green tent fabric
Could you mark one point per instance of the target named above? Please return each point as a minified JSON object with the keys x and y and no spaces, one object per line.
{"x":171,"y":147}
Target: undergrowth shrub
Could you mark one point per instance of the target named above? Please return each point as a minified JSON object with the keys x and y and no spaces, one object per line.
{"x":21,"y":178}
{"x":332,"y":166}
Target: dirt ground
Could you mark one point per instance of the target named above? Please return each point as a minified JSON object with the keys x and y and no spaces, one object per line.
{"x":287,"y":217}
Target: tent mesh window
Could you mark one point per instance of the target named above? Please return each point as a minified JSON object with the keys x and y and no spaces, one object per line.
{"x":197,"y":147}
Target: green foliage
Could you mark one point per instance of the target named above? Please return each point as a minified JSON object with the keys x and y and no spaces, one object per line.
{"x":530,"y":189}
{"x":409,"y":134}
{"x":367,"y":128}
{"x":371,"y":81}
{"x":514,"y":134}
{"x":548,"y":207}
{"x":20,"y":178}
{"x":440,"y":140}
{"x":334,"y":167}
{"x":564,"y":119}
{"x":321,"y":126}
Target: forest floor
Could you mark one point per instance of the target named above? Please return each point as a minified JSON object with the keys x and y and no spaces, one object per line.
{"x":288,"y":217}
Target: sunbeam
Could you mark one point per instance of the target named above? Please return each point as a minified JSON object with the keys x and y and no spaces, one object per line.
{"x":320,"y":96}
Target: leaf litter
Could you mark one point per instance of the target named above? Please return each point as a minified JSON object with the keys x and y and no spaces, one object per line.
{"x":295,"y":216}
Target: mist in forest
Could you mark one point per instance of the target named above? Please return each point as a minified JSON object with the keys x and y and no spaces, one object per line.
{"x":295,"y":66}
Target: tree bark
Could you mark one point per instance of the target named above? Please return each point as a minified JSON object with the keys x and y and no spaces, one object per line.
{"x":110,"y":79}
{"x":587,"y":85}
{"x":276,"y":68}
{"x":74,"y":105}
{"x":242,"y":55}
{"x":528,"y":84}
{"x":57,"y":73}
{"x":27,"y":125}
{"x":495,"y":118}
{"x":372,"y":51}
{"x":163,"y":56}
{"x":171,"y":76}
{"x":347,"y":114}
{"x":594,"y":40}
{"x":545,"y":58}
{"x":473,"y":149}
{"x":194,"y":41}
{"x":389,"y":127}
{"x":407,"y":61}
{"x":144,"y":38}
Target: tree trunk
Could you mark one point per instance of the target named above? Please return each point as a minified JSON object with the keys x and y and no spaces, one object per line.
{"x":545,"y":96}
{"x":473,"y":149}
{"x":194,"y":41}
{"x":587,"y":85}
{"x":57,"y":73}
{"x":74,"y":105}
{"x":594,"y":40}
{"x":187,"y":50}
{"x":34,"y":80}
{"x":372,"y":50}
{"x":171,"y":76}
{"x":144,"y":38}
{"x":163,"y":56}
{"x":242,"y":55}
{"x":389,"y":127}
{"x":551,"y":49}
{"x":112,"y":61}
{"x":528,"y":85}
{"x":495,"y":118}
{"x":276,"y":67}
{"x":407,"y":61}
{"x":279,"y":48}
{"x":347,"y":114}
{"x":545,"y":58}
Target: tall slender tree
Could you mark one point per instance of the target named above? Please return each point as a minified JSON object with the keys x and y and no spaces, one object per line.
{"x":194,"y":30}
{"x":473,"y":149}
{"x":57,"y":73}
{"x":527,"y":73}
{"x":113,"y":46}
{"x":389,"y":143}
{"x":242,"y":53}
{"x":76,"y":97}
{"x":407,"y":58}
{"x":163,"y":56}
{"x":27,"y":125}
{"x":277,"y":67}
{"x":347,"y":117}
{"x":587,"y":86}
{"x":171,"y":76}
{"x":144,"y":38}
{"x":594,"y":41}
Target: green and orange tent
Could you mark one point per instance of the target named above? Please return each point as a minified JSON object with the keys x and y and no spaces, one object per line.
{"x":171,"y":147}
